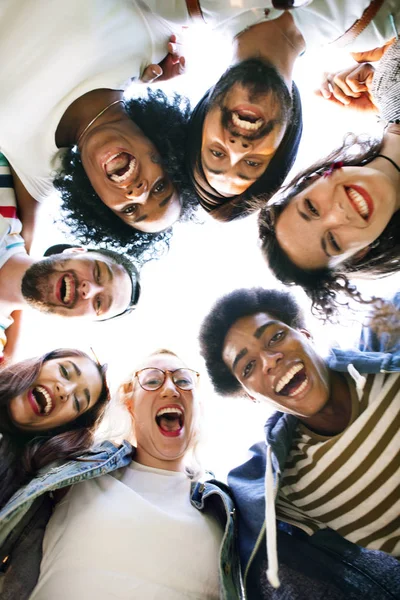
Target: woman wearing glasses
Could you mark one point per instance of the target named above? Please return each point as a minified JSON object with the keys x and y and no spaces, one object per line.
{"x":149,"y":529}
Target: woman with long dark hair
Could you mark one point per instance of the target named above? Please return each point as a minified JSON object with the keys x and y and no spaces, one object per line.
{"x":49,"y":409}
{"x":340,"y":218}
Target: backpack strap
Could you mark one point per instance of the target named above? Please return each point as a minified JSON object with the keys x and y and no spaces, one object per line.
{"x":358,"y":26}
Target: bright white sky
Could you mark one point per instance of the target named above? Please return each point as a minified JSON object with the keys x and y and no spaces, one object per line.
{"x":205,"y":262}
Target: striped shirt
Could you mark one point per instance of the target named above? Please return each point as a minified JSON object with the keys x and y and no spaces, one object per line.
{"x":11,"y":241}
{"x":351,"y":481}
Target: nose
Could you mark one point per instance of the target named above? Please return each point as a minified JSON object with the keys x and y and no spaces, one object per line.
{"x":238,"y":146}
{"x":338,"y":215}
{"x":138,"y":192}
{"x":88,"y":289}
{"x":169,"y":389}
{"x":270,"y":360}
{"x":64,"y":390}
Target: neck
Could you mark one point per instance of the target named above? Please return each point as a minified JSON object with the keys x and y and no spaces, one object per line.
{"x":335,"y":415}
{"x":279,"y":42}
{"x":82,"y":111}
{"x":146,"y":459}
{"x":11,"y":275}
{"x":391,"y":149}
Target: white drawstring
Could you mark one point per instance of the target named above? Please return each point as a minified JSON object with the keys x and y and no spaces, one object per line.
{"x":359,"y":379}
{"x":270,"y":524}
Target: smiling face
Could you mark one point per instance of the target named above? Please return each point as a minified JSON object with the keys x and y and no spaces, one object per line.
{"x":165,"y":420}
{"x":244,"y":126}
{"x":63,"y":391}
{"x":336,"y":217}
{"x":125,"y":170}
{"x":78,"y":284}
{"x":277,"y":364}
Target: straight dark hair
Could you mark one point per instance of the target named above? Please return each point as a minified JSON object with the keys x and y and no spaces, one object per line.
{"x":23,"y":453}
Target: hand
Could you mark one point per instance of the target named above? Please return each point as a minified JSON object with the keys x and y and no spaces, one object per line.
{"x":350,"y":88}
{"x":171,"y":66}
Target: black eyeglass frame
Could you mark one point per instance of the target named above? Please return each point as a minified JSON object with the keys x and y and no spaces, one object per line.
{"x":165,"y":372}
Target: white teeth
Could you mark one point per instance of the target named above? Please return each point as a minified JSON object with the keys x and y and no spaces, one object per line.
{"x":127,"y":174}
{"x":360,"y":204}
{"x":112,"y":157}
{"x":288,"y":377}
{"x":169,"y":409}
{"x":49,"y":402}
{"x":243,"y":124}
{"x":68,"y":289}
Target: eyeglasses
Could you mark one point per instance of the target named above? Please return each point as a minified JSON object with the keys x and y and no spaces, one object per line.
{"x":151,"y":378}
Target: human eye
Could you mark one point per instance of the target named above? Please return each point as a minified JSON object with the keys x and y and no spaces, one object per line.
{"x":252,"y":163}
{"x":311,"y":208}
{"x":131,"y":209}
{"x":97,"y":304}
{"x":333,"y":242}
{"x":64,"y":371}
{"x":248,"y":369}
{"x":217,"y":153}
{"x":277,"y":337}
{"x":159,"y":187}
{"x":77,"y":404}
{"x":97,"y":272}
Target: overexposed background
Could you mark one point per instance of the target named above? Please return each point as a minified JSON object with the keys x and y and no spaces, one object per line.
{"x":206,"y":261}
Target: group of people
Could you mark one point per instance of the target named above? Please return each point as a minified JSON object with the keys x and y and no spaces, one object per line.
{"x":314,"y":512}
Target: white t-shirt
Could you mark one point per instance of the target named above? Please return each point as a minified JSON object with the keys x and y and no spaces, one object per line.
{"x":133,"y":534}
{"x":54,"y":51}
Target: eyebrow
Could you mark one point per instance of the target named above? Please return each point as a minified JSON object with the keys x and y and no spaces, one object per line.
{"x":239,"y":357}
{"x":218,"y":172}
{"x":109,"y":272}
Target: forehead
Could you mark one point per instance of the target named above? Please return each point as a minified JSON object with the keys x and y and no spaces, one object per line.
{"x":247,"y":331}
{"x":162,"y":361}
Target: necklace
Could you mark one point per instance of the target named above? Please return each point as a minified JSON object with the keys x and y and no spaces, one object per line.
{"x":95,"y":119}
{"x":390,"y":160}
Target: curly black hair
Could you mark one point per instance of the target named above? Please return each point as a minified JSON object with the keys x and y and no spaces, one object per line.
{"x":324,"y":285}
{"x":229,"y":309}
{"x":163,"y":120}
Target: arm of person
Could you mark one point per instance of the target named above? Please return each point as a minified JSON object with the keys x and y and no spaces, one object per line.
{"x":12,"y":337}
{"x":28,"y":209}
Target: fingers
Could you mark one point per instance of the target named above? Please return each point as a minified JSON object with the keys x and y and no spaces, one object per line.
{"x":151,"y":73}
{"x":347,"y":85}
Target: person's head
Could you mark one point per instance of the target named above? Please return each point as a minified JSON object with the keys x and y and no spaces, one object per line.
{"x":49,"y":409}
{"x":126,"y":185}
{"x":254,"y":343}
{"x":160,"y":396}
{"x":97,"y":284}
{"x":333,"y":220}
{"x":243,"y":138}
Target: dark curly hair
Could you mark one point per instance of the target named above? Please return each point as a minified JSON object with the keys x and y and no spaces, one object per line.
{"x":324,"y":285}
{"x":164,"y":122}
{"x":23,"y":453}
{"x":229,"y":309}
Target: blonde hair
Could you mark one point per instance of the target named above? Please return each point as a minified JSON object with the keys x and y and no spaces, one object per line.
{"x":193,"y":469}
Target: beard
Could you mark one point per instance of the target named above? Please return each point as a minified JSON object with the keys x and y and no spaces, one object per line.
{"x":263,"y":84}
{"x":37,"y":286}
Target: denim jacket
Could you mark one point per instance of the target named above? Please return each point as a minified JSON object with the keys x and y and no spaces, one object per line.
{"x":24,"y":518}
{"x":321,"y":566}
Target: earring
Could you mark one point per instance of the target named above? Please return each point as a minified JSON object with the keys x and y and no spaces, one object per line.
{"x":335,"y":165}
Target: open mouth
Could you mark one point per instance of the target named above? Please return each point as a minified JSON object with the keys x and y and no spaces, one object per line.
{"x":170,"y":420}
{"x":120,"y":167}
{"x":41,"y":400}
{"x":66,"y":289}
{"x":246,"y":120}
{"x":293,"y":382}
{"x":360,"y":201}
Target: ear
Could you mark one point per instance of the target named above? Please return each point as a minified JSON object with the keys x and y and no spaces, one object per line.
{"x":307,"y":334}
{"x":250,"y":397}
{"x":126,"y":395}
{"x":75,"y":249}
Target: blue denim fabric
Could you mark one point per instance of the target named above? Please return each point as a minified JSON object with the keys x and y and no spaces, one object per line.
{"x":29,"y":509}
{"x":325,"y":563}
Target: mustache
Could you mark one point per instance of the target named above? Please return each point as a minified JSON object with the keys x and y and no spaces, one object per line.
{"x":226,"y":122}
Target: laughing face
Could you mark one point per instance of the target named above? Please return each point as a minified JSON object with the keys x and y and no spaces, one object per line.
{"x":336,"y":217}
{"x":166,"y":419}
{"x":244,"y":126}
{"x":78,"y":284}
{"x":277,"y":364}
{"x":63,"y":391}
{"x":125,"y":170}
